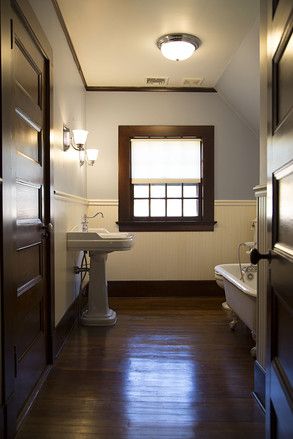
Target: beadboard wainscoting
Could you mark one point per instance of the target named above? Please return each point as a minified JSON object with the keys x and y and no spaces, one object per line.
{"x":69,"y":210}
{"x":178,"y":255}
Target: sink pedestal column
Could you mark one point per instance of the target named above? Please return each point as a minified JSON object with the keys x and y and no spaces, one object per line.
{"x":98,"y":312}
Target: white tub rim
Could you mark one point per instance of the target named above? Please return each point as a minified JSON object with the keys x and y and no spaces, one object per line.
{"x":222,"y":269}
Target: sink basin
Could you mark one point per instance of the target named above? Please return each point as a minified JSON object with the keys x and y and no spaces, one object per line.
{"x":99,"y":240}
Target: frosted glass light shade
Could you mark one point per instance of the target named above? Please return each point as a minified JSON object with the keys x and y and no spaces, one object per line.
{"x":177,"y":50}
{"x":79,"y":136}
{"x":92,"y":154}
{"x":165,"y":161}
{"x":178,"y":46}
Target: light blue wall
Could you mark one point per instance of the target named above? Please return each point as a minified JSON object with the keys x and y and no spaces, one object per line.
{"x":236,"y":146}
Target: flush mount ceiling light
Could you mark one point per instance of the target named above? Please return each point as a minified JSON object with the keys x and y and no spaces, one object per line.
{"x":178,"y":47}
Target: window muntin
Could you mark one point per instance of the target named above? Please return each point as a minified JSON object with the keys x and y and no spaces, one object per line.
{"x":166,"y":200}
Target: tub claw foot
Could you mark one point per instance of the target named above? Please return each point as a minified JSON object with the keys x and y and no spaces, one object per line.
{"x":225,"y":306}
{"x":233,"y":324}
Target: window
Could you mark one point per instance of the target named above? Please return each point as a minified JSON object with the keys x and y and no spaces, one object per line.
{"x":166,"y":178}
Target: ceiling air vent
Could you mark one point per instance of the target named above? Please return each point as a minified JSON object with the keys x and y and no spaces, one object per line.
{"x":192,"y":82}
{"x":157,"y":82}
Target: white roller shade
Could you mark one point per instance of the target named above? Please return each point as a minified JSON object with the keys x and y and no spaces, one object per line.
{"x":165,"y":161}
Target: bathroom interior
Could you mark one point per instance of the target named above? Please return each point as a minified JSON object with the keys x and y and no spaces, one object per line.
{"x":103,"y":264}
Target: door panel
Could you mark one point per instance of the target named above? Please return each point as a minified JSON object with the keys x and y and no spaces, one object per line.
{"x":280,"y":214}
{"x":26,"y":139}
{"x":30,"y":79}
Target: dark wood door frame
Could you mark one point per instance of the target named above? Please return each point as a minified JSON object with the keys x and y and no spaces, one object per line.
{"x":8,"y":298}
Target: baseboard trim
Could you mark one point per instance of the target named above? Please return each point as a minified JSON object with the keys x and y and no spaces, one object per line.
{"x":68,"y":321}
{"x":164,"y":288}
{"x":259,"y":391}
{"x":65,"y":326}
{"x":28,"y":405}
{"x":2,"y":421}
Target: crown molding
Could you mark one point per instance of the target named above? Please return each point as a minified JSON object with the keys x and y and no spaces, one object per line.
{"x":152,"y":89}
{"x":69,"y":41}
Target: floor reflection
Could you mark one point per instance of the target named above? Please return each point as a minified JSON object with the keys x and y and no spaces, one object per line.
{"x":159,"y":387}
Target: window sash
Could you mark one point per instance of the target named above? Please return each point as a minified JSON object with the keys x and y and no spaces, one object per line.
{"x":197,"y":199}
{"x":165,"y":180}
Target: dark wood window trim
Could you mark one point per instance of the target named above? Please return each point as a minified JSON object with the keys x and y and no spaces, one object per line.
{"x":126,"y":220}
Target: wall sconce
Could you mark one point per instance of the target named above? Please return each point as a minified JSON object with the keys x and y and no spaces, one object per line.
{"x":77,"y":140}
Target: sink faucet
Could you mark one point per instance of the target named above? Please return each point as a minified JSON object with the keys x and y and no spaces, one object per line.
{"x":85,"y":218}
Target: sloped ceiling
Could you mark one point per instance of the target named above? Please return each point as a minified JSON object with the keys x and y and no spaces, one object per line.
{"x":239,"y":85}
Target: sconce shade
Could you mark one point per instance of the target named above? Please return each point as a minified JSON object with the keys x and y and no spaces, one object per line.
{"x":79,"y":136}
{"x":178,"y":47}
{"x":92,"y":154}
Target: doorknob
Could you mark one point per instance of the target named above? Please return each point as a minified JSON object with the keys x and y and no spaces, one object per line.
{"x":256,"y":256}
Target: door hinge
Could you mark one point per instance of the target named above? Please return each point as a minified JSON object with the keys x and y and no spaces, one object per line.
{"x":15,"y":361}
{"x":11,"y":33}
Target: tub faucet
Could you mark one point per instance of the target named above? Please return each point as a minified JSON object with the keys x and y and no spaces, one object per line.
{"x":85,"y":218}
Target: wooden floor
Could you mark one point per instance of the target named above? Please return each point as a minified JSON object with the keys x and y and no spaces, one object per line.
{"x":170,"y":368}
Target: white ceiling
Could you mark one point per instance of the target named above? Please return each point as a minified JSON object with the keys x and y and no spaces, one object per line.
{"x":115,"y":40}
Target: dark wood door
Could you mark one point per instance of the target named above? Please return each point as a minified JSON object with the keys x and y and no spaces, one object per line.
{"x":30,"y":82}
{"x":280,"y":209}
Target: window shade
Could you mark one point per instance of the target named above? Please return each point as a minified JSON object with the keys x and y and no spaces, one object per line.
{"x":165,"y":160}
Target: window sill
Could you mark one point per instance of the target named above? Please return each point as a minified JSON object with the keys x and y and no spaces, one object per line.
{"x":166,"y":226}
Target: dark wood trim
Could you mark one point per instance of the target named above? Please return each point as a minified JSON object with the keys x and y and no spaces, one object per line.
{"x":276,"y":122}
{"x":68,"y":321}
{"x":10,"y":418}
{"x":259,"y":391}
{"x":164,"y":288}
{"x":28,"y":405}
{"x":50,"y":214}
{"x":165,"y":226}
{"x":29,"y":19}
{"x":69,"y":41}
{"x":152,"y":89}
{"x":2,"y":421}
{"x":125,"y":216}
{"x":64,"y":327}
{"x":8,"y":298}
{"x":25,"y":13}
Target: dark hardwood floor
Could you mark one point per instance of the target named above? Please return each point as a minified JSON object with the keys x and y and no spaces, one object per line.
{"x":170,"y":368}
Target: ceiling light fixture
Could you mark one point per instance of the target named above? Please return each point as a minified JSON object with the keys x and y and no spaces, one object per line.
{"x":178,"y":47}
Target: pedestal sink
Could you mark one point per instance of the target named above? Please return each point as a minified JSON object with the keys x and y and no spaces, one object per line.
{"x":99,"y":242}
